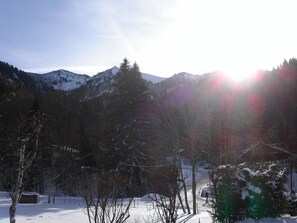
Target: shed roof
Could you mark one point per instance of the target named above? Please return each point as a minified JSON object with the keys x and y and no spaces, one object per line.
{"x":265,"y":152}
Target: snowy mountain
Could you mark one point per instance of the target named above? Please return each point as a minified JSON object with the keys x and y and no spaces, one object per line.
{"x":105,"y":75}
{"x":84,"y":87}
{"x":64,"y":80}
{"x":67,"y":81}
{"x":96,"y":86}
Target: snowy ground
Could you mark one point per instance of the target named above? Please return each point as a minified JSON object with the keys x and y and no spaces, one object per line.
{"x":70,"y":209}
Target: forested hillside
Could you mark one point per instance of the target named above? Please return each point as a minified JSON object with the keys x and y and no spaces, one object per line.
{"x":136,"y":125}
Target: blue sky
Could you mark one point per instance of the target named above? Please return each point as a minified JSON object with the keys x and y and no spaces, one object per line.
{"x":163,"y":36}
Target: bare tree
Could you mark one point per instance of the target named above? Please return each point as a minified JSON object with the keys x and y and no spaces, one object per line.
{"x":166,"y":200}
{"x":195,"y":136}
{"x":59,"y":163}
{"x":103,"y":194}
{"x":168,"y":132}
{"x":184,"y":128}
{"x":27,"y":145}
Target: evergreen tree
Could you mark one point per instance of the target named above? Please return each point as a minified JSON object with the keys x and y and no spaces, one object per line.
{"x":125,"y":132}
{"x":240,"y":192}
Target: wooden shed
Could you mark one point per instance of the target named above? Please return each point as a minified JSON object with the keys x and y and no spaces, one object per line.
{"x":29,"y":197}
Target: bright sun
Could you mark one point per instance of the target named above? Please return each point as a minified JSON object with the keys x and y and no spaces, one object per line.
{"x":239,"y":70}
{"x":237,"y":74}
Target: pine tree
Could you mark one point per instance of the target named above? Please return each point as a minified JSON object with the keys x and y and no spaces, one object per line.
{"x":125,"y":130}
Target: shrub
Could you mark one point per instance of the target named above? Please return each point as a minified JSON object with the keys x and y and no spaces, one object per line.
{"x":241,"y":193}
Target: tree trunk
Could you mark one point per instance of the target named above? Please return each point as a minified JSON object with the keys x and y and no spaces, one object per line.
{"x":181,"y":201}
{"x":18,"y":186}
{"x":194,"y":188}
{"x":23,"y":166}
{"x":185,"y":187}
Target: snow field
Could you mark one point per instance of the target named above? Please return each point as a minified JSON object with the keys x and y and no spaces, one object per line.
{"x":143,"y":210}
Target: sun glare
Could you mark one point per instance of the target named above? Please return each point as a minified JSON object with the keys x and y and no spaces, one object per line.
{"x":238,"y":75}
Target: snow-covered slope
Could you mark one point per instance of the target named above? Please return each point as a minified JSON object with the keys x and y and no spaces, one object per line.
{"x":152,"y":78}
{"x":105,"y":75}
{"x":64,"y":80}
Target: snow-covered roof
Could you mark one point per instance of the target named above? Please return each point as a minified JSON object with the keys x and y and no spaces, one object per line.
{"x":26,"y":193}
{"x":260,"y":149}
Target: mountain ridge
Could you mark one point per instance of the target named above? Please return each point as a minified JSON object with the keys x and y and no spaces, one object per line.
{"x":84,"y":87}
{"x":67,"y":81}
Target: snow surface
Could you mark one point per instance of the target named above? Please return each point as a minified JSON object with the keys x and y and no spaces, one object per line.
{"x":71,"y":209}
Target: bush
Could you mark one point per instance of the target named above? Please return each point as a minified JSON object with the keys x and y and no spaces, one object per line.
{"x":241,"y":193}
{"x":229,"y":205}
{"x":271,"y":201}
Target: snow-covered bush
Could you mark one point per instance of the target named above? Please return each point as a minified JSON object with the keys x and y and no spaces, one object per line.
{"x":266,"y":192}
{"x":240,"y":192}
{"x":229,"y":206}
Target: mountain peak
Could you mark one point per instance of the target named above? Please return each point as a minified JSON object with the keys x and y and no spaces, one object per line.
{"x":64,"y":79}
{"x":104,"y":75}
{"x":115,"y":70}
